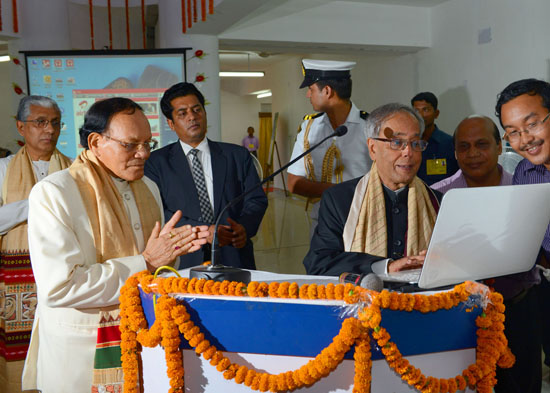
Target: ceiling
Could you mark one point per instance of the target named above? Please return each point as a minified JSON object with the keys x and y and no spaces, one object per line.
{"x":239,"y":55}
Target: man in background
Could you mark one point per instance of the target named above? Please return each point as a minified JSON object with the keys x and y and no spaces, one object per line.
{"x":438,"y":160}
{"x":250,"y":142}
{"x":342,"y":158}
{"x":38,"y":121}
{"x":355,"y":233}
{"x":200,"y":177}
{"x":523,"y":108}
{"x":477,"y":147}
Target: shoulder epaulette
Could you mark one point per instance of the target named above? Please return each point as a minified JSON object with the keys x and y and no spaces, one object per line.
{"x":364,"y":114}
{"x":313,"y":116}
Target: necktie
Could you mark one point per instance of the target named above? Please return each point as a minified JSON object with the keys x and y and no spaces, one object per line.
{"x":207,"y":214}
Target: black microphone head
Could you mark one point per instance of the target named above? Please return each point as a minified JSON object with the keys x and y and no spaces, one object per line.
{"x":340,"y":131}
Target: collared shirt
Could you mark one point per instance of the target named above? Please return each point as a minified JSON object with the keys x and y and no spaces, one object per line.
{"x":440,"y":146}
{"x":527,"y":173}
{"x":251,"y":143}
{"x":459,"y":181}
{"x":352,"y":146}
{"x":206,"y":161}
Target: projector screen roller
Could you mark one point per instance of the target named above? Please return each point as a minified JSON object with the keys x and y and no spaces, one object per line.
{"x":77,"y":79}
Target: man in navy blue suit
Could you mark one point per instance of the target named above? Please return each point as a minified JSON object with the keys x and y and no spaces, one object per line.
{"x":199,"y":177}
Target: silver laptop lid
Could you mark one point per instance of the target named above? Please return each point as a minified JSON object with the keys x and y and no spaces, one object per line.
{"x":486,"y":232}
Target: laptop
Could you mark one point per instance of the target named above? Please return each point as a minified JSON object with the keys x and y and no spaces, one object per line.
{"x":483,"y":232}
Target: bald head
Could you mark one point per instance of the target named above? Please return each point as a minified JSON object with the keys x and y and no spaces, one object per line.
{"x":480,"y":121}
{"x":477,"y":147}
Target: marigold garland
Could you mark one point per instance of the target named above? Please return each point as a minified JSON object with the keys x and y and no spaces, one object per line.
{"x":172,"y":319}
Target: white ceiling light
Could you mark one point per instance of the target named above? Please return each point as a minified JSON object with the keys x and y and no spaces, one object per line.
{"x":4,"y":58}
{"x":263,"y":95}
{"x":260,"y":92}
{"x":242,"y":74}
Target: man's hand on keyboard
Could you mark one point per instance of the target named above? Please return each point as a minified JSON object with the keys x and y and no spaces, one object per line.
{"x":406,"y":263}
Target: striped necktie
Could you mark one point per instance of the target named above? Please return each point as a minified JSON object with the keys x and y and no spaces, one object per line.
{"x":207,"y":215}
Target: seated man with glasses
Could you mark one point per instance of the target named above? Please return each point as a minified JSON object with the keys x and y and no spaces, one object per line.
{"x":90,"y":228}
{"x":38,"y":120}
{"x":383,"y":221}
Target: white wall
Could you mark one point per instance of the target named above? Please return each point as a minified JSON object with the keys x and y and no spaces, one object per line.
{"x":239,"y":113}
{"x":377,"y":79}
{"x":466,"y":75}
{"x":8,"y":133}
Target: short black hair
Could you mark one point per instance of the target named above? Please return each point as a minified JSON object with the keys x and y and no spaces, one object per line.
{"x":427,"y":96}
{"x":342,"y":87}
{"x":181,"y":89}
{"x":99,"y":115}
{"x":530,"y":86}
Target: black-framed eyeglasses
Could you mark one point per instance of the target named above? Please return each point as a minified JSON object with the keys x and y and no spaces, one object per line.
{"x":533,"y":128}
{"x":43,"y":123}
{"x":132,"y":147}
{"x":401,"y":144}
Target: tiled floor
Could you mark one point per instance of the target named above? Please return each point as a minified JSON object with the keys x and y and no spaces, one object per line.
{"x":283,"y":238}
{"x":283,"y":241}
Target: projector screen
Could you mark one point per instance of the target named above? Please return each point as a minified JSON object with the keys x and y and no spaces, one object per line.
{"x":77,"y":79}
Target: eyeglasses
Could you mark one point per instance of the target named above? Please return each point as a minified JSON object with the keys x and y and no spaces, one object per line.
{"x":532,"y":128}
{"x":43,"y":123}
{"x":401,"y":144}
{"x":132,"y":147}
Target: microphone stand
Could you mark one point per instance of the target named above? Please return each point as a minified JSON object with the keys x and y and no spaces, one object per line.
{"x":218,"y":272}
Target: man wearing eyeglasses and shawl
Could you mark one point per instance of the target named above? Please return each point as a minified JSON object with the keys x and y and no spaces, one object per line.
{"x":38,"y":120}
{"x":523,"y":108}
{"x":383,"y":221}
{"x":90,"y":228}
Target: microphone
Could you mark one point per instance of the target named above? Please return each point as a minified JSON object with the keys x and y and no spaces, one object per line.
{"x":218,"y":272}
{"x":368,"y":281}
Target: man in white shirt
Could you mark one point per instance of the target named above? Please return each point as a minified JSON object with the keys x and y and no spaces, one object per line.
{"x":340,"y":159}
{"x":38,"y":120}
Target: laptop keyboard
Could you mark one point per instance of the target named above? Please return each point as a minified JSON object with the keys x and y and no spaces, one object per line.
{"x":410,"y":276}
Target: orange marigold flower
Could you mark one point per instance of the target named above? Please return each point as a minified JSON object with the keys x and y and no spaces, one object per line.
{"x":312,"y":291}
{"x":241,"y":374}
{"x":264,"y":382}
{"x":303,"y":291}
{"x":282,"y":290}
{"x":329,"y":289}
{"x":460,"y":382}
{"x":250,"y":375}
{"x":273,"y":287}
{"x":293,"y":291}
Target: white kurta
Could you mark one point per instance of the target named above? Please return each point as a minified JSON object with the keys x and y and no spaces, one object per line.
{"x":352,"y":145}
{"x":71,"y":285}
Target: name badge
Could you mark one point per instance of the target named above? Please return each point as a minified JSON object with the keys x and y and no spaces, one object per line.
{"x":436,"y":166}
{"x":251,"y":146}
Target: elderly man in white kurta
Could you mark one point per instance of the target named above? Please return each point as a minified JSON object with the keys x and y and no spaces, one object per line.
{"x":38,"y":121}
{"x":90,"y":228}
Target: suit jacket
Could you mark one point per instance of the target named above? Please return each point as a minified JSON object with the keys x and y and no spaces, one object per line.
{"x":326,"y":254}
{"x":71,"y":286}
{"x":233,"y":173}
